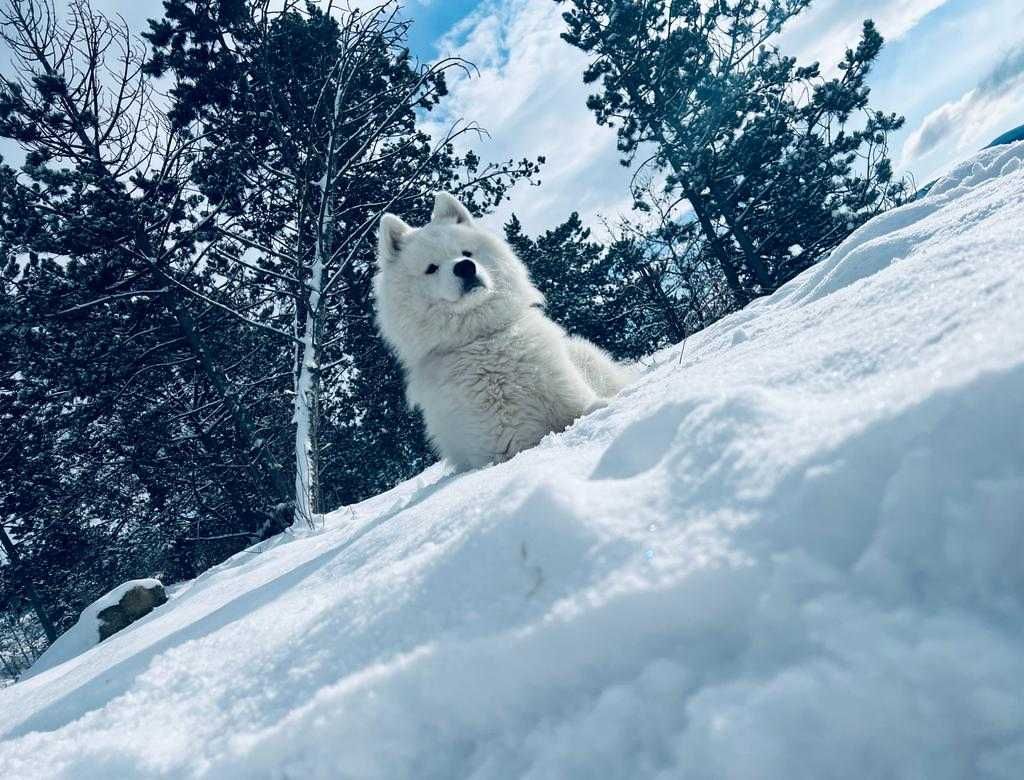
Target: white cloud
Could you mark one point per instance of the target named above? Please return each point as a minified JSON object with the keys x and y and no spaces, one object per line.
{"x":529,"y":95}
{"x":824,"y":31}
{"x":972,"y":119}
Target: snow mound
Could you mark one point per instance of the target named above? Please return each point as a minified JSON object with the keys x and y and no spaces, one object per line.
{"x":791,"y":550}
{"x":86,"y":631}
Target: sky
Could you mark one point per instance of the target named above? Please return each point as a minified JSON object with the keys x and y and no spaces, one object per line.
{"x":953,"y":68}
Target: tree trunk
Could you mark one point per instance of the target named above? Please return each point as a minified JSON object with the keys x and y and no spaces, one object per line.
{"x":30,"y":590}
{"x":699,"y":204}
{"x":307,"y":409}
{"x":700,"y":210}
{"x":752,"y":259}
{"x":308,"y":326}
{"x":309,"y":319}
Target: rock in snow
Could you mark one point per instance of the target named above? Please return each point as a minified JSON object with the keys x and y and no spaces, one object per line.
{"x":796,"y":554}
{"x":138,"y":601}
{"x":110,"y":613}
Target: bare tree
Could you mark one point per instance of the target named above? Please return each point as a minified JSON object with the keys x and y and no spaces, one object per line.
{"x":108,"y":171}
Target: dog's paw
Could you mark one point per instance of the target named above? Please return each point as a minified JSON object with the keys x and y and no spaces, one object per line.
{"x":600,"y":403}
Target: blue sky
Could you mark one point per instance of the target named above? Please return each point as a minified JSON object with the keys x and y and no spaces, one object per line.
{"x":954,"y":68}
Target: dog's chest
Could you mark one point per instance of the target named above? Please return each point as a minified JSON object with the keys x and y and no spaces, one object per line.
{"x":490,"y":381}
{"x":488,"y":399}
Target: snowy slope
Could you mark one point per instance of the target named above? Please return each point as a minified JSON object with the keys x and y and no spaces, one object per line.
{"x":794,"y":549}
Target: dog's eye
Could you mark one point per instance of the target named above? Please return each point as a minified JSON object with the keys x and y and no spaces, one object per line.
{"x":466,"y":253}
{"x":431,"y":269}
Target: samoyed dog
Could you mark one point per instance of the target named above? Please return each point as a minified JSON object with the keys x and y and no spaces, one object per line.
{"x":490,"y":372}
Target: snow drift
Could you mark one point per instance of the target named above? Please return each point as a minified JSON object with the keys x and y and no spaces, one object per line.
{"x":792,"y":550}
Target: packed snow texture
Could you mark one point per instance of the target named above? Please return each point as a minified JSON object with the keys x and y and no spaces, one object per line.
{"x":793,"y":549}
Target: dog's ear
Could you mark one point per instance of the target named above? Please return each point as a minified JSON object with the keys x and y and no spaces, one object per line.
{"x":448,"y":209}
{"x":389,"y":237}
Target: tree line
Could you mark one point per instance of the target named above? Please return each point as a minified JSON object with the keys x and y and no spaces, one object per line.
{"x":189,"y":363}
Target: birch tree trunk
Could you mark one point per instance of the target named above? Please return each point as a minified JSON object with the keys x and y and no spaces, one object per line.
{"x":307,"y":399}
{"x":309,"y":318}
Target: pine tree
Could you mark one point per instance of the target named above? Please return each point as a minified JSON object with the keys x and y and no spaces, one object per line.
{"x":774,"y":178}
{"x":644,"y":289}
{"x":587,"y":289}
{"x":113,"y":230}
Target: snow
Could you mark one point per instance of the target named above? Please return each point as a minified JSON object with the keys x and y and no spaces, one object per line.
{"x":791,"y":550}
{"x":86,"y":631}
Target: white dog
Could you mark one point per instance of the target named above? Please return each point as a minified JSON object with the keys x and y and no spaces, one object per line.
{"x":490,"y":372}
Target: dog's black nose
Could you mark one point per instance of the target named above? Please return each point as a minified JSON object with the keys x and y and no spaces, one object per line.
{"x":465,"y":269}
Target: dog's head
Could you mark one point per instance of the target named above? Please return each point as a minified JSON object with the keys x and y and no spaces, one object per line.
{"x":447,"y":282}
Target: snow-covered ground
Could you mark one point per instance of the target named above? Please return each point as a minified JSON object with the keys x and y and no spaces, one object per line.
{"x":794,"y":549}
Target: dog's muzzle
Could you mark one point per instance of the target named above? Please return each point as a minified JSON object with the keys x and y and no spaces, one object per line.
{"x":466,"y":271}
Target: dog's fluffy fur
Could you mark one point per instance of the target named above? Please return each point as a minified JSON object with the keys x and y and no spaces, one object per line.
{"x":490,"y":372}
